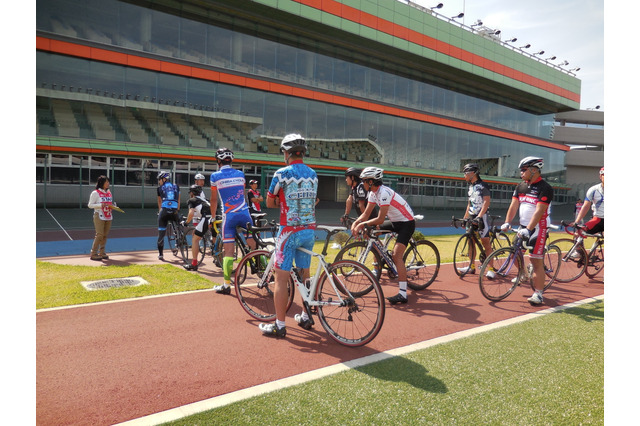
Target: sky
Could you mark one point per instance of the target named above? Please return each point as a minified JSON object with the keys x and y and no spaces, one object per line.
{"x":571,"y":30}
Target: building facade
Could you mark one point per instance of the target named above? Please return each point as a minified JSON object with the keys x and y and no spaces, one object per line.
{"x":130,"y":88}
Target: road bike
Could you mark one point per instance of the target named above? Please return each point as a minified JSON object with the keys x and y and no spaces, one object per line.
{"x":422,"y":258}
{"x":469,"y":244}
{"x":576,"y":260}
{"x":334,"y":294}
{"x":508,"y":264}
{"x":177,"y":235}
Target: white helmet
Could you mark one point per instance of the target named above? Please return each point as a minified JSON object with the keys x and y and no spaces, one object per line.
{"x":532,"y":162}
{"x":371,"y":173}
{"x":293,"y":142}
{"x":199,"y":176}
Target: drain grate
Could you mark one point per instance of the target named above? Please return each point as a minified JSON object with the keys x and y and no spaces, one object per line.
{"x":113,"y":283}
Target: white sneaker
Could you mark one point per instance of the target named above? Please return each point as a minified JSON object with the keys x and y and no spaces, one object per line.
{"x":536,"y":299}
{"x":467,"y":270}
{"x":490,"y":274}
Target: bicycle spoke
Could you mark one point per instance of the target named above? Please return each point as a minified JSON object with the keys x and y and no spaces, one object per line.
{"x":423,"y":264}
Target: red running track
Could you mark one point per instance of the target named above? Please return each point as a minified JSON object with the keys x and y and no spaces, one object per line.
{"x":108,"y":363}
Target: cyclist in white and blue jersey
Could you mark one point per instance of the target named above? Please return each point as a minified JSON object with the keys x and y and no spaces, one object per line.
{"x":294,"y":189}
{"x":228,"y":184}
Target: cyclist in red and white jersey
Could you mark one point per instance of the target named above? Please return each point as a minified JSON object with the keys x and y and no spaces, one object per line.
{"x":531,"y":199}
{"x":394,"y":207}
{"x":593,"y":200}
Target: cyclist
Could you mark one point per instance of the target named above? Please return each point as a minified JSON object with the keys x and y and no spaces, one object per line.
{"x":594,"y":199}
{"x":293,"y":189}
{"x":198,"y":208}
{"x":358,"y":195}
{"x":227,"y":184}
{"x":477,"y":210}
{"x":531,"y":199}
{"x":393,"y":206}
{"x":168,"y":206}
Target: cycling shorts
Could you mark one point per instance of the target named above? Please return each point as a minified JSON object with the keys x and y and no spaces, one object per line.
{"x":165,"y":216}
{"x":404,"y":230}
{"x":483,"y":225}
{"x":202,"y":226}
{"x":595,"y":225}
{"x":538,"y":241}
{"x":287,"y":243}
{"x":229,"y":223}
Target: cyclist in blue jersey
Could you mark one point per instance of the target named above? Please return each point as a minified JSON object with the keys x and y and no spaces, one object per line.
{"x":168,"y":206}
{"x":227,"y":184}
{"x":293,"y":189}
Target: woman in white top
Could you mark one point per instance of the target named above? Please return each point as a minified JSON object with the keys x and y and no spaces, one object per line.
{"x":101,"y":201}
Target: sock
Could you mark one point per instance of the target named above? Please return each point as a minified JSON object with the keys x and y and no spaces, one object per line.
{"x":403,"y":288}
{"x":227,"y":267}
{"x":279,"y":323}
{"x":194,"y":262}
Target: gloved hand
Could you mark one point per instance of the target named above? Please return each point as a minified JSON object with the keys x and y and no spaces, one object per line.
{"x":524,"y":233}
{"x":505,"y":227}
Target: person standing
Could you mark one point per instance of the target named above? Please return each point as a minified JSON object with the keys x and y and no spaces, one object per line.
{"x":168,"y":206}
{"x":593,"y":200}
{"x":294,"y":190}
{"x":400,"y":214}
{"x":198,"y":208}
{"x":579,"y":205}
{"x":531,"y":199}
{"x":227,"y":185}
{"x":478,"y":211}
{"x":101,"y":201}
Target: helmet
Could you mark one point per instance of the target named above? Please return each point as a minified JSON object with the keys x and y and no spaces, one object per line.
{"x":293,"y":142}
{"x":471,"y":167}
{"x":195,"y":189}
{"x":352,"y":171}
{"x":199,"y":176}
{"x":164,"y":175}
{"x":371,"y":173}
{"x":531,"y":162}
{"x":602,"y":171}
{"x":252,"y":181}
{"x":223,"y":154}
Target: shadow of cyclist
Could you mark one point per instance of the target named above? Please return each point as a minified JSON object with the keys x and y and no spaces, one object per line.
{"x":399,"y":369}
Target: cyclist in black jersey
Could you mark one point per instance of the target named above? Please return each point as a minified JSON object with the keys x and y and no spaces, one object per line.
{"x":357,"y":195}
{"x":198,"y":207}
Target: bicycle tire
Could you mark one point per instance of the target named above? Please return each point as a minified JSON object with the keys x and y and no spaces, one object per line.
{"x":183,"y":244}
{"x":171,"y":237}
{"x":508,"y":272}
{"x":204,"y":247}
{"x":254,"y":290}
{"x":423,"y":264}
{"x":462,"y":254}
{"x":217,"y":251}
{"x":499,"y":241}
{"x":552,"y":263}
{"x":573,"y":265}
{"x":596,"y":260}
{"x":359,"y":319}
{"x":355,"y":250}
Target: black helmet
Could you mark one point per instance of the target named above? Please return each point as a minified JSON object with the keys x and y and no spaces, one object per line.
{"x":195,"y":189}
{"x":353,"y":172}
{"x":471,"y":167}
{"x":224,"y":154}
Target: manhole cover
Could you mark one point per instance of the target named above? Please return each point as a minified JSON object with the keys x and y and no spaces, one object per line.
{"x":113,"y":283}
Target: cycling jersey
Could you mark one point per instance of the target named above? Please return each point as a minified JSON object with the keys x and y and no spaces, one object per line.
{"x":595,"y":195}
{"x":477,"y":191}
{"x":529,"y":195}
{"x":296,"y":186}
{"x":359,"y":194}
{"x":399,"y":210}
{"x":170,"y":194}
{"x":230,"y":184}
{"x":201,"y":207}
{"x":255,"y":206}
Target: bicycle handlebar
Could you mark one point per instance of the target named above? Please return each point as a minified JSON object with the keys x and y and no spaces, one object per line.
{"x":578,"y":230}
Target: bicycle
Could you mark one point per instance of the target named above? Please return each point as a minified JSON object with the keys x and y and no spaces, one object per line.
{"x":575,"y":259}
{"x":421,"y":258}
{"x":334,"y":294}
{"x":177,"y":236}
{"x":464,"y":254}
{"x":510,"y":271}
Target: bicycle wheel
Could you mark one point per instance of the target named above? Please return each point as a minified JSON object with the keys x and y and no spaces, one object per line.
{"x":573,"y":262}
{"x":552,"y":263}
{"x":218,"y":251}
{"x":596,"y":260}
{"x":358,"y":251}
{"x":507,"y":268}
{"x":500,"y":240}
{"x":463,"y":253}
{"x":172,"y":237}
{"x":423,"y":263}
{"x":254,"y":284}
{"x":182,"y":241}
{"x":205,"y":247}
{"x":350,"y":315}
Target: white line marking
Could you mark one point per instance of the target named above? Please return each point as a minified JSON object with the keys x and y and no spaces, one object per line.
{"x":63,"y":230}
{"x":229,"y":398}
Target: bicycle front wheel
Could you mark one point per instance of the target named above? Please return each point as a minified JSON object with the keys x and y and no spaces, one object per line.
{"x":506,"y":266}
{"x":463,"y":254}
{"x":172,"y":236}
{"x":596,"y":260}
{"x":183,"y":243}
{"x":359,"y":251}
{"x":254,"y":283}
{"x":552,"y":263}
{"x":350,"y":315}
{"x":573,"y":262}
{"x":499,"y":241}
{"x":423,"y":264}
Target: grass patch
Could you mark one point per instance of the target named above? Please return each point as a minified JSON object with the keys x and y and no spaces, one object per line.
{"x":548,"y":370}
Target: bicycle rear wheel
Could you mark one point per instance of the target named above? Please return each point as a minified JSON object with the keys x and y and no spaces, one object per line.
{"x":358,"y":318}
{"x":172,"y":236}
{"x":507,"y":268}
{"x":423,"y":264}
{"x":204,"y":247}
{"x":573,"y":262}
{"x":552,"y":263}
{"x":254,"y":284}
{"x":596,"y":260}
{"x":358,"y":251}
{"x":463,"y":253}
